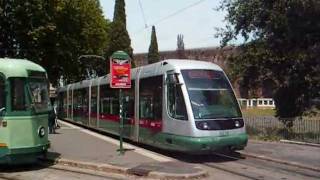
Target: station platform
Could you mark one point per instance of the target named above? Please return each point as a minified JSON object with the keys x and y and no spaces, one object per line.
{"x":78,"y":147}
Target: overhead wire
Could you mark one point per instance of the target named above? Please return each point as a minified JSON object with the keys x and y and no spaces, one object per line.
{"x":170,"y":15}
{"x":143,"y":15}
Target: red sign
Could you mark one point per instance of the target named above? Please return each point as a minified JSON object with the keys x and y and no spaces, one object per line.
{"x":120,"y":73}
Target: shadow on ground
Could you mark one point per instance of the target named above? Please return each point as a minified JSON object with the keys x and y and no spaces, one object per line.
{"x":37,"y":165}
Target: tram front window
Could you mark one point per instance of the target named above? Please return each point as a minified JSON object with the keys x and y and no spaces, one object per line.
{"x":39,"y":94}
{"x":210,"y":94}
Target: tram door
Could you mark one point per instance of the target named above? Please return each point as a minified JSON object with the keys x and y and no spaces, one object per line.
{"x":150,"y":107}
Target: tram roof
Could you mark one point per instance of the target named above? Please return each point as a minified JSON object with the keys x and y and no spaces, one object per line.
{"x":191,"y":64}
{"x":18,"y":67}
{"x":152,"y":70}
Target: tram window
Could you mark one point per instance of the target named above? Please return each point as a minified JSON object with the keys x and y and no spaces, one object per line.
{"x":85,"y":101}
{"x":80,"y":102}
{"x":39,"y":93}
{"x":150,"y":102}
{"x":129,"y":102}
{"x":61,"y":104}
{"x":176,"y":104}
{"x":109,"y":100}
{"x":2,"y":93}
{"x":94,"y":99}
{"x":17,"y":94}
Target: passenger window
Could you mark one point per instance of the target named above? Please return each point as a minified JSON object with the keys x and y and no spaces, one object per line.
{"x":93,"y":99}
{"x":150,"y":102}
{"x":2,"y":93}
{"x":129,"y":101}
{"x":176,"y":104}
{"x":17,"y":94}
{"x":109,"y":100}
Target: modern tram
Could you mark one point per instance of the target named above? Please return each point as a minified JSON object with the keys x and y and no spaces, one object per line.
{"x":179,"y":105}
{"x":23,"y":111}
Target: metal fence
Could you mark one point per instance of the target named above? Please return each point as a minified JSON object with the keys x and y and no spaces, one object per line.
{"x":302,"y":129}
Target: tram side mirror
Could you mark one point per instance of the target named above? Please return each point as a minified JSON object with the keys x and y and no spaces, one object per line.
{"x":2,"y":111}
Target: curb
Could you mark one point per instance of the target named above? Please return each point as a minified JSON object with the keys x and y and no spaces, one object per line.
{"x":87,"y":165}
{"x":124,"y":171}
{"x":280,"y":161}
{"x":161,"y":175}
{"x":299,"y":143}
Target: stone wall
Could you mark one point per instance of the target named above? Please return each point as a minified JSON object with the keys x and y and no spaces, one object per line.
{"x":212,"y":54}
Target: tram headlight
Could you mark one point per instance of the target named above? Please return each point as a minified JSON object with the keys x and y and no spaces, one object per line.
{"x":41,"y":131}
{"x":203,"y":125}
{"x":236,"y":123}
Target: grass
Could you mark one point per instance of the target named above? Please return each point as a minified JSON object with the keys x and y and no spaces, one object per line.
{"x":258,"y":112}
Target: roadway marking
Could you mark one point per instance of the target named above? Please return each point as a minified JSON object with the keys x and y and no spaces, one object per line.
{"x":144,"y":152}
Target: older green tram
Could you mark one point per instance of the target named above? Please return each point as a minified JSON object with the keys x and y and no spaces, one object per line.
{"x":24,"y":105}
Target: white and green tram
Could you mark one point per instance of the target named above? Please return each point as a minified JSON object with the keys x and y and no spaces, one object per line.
{"x":23,"y":111}
{"x":180,"y":105}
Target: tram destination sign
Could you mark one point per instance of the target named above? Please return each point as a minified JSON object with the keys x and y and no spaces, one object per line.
{"x":120,"y":68}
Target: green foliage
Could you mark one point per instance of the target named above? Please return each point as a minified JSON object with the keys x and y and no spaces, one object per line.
{"x":81,"y":30}
{"x":119,"y":13}
{"x":6,"y":29}
{"x":282,"y":44}
{"x":119,"y":37}
{"x":53,"y":33}
{"x":153,"y":54}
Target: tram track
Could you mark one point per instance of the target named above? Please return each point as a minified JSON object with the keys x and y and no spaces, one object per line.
{"x":245,"y":155}
{"x":230,"y":171}
{"x":255,"y":168}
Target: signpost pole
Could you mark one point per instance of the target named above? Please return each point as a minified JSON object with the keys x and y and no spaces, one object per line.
{"x":121,"y":150}
{"x":120,"y":77}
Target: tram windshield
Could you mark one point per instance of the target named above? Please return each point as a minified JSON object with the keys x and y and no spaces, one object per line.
{"x":39,"y":94}
{"x":210,"y":94}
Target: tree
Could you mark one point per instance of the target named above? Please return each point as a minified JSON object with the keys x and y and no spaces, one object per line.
{"x":153,"y":54}
{"x":119,"y":37}
{"x":282,"y":43}
{"x":53,"y":33}
{"x":7,"y":47}
{"x":81,"y":30}
{"x":180,"y":47}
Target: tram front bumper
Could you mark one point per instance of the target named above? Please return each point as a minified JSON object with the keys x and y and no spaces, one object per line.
{"x":22,"y":155}
{"x":208,"y":144}
{"x":3,"y":151}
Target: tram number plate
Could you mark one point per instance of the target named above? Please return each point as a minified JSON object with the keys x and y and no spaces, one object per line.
{"x":224,"y":133}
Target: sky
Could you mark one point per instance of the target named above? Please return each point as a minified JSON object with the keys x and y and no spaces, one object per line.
{"x":196,"y":20}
